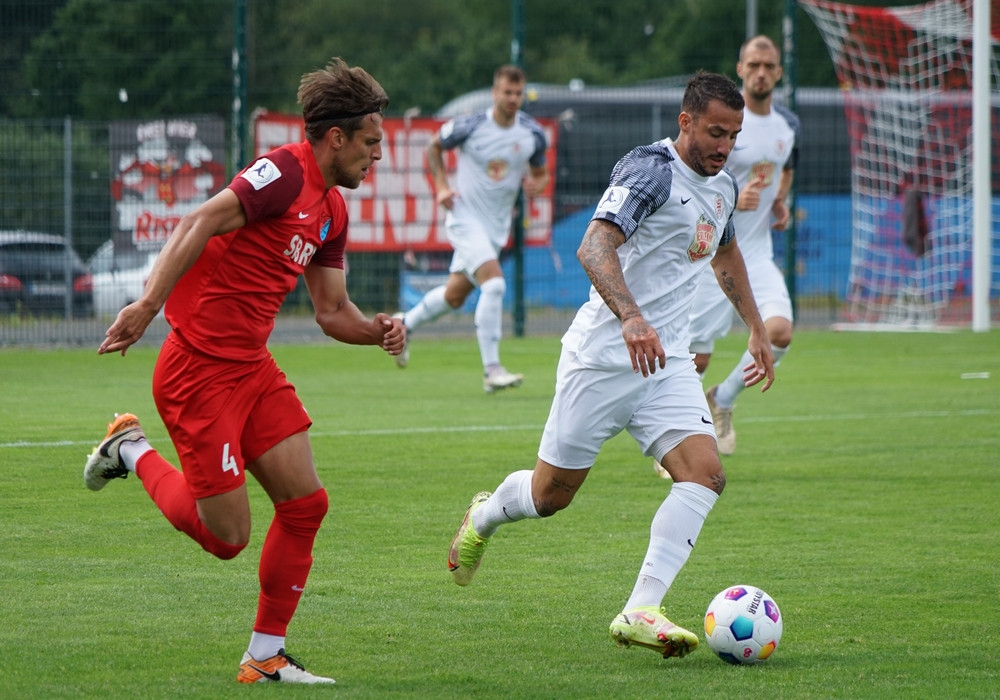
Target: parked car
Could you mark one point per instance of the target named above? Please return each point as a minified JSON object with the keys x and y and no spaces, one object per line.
{"x":119,"y":277}
{"x":33,"y":277}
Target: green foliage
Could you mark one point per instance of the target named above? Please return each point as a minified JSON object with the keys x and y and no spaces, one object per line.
{"x":418,"y":51}
{"x":73,"y":57}
{"x":32,"y":179}
{"x":27,"y":179}
{"x":862,"y":497}
{"x":169,"y":58}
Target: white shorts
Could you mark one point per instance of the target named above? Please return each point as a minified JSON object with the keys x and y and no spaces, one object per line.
{"x":591,"y":406}
{"x":713,"y":315}
{"x":473,"y":248}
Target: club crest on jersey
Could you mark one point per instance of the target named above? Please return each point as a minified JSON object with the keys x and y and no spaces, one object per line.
{"x":261,"y":173}
{"x":704,"y":238}
{"x":497,"y":169}
{"x":762,"y":170}
{"x":325,"y":229}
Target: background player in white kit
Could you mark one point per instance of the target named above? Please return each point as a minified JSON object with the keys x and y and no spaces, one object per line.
{"x":625,"y":363}
{"x":496,"y":150}
{"x":762,"y":161}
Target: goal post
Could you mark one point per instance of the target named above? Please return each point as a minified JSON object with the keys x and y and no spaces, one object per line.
{"x":907,"y":75}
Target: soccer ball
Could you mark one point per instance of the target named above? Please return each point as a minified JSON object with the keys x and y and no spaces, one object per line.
{"x":743,"y":625}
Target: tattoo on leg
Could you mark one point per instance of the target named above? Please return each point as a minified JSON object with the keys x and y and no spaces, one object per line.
{"x":719,"y":482}
{"x":562,"y":485}
{"x":546,"y":508}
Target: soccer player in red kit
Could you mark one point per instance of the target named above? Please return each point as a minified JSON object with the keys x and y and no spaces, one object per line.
{"x":229,"y":409}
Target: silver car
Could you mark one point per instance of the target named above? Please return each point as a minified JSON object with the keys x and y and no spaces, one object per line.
{"x":118,"y":277}
{"x":39,"y":272}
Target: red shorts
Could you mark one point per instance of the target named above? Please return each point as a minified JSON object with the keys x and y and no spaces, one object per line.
{"x":222,"y":414}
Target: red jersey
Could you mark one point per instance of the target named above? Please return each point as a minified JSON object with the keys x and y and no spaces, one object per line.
{"x":226,"y":303}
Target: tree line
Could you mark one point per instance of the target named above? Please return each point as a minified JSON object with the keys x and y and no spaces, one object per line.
{"x":107,"y":59}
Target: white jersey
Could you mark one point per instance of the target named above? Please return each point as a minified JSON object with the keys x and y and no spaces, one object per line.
{"x":673,"y":220}
{"x":492,"y":161}
{"x":763,"y":149}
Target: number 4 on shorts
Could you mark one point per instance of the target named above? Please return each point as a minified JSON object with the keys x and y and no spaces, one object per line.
{"x":229,"y":461}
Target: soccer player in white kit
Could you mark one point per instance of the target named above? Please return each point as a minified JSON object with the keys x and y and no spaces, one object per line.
{"x":499,"y":151}
{"x":763,"y":162}
{"x":625,"y":364}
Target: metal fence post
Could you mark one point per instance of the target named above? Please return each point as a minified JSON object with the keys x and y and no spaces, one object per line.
{"x":516,"y":58}
{"x":68,"y":215}
{"x":789,"y":62}
{"x":239,"y":85}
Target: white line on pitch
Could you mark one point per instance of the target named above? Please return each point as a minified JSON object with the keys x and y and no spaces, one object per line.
{"x":827,"y":418}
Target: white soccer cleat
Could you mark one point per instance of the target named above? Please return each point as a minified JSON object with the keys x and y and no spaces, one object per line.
{"x":280,"y":668}
{"x":660,"y":471}
{"x":723,"y":419}
{"x":497,"y":378}
{"x":105,"y":463}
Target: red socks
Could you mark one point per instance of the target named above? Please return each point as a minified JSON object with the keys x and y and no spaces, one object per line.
{"x":286,"y":559}
{"x":169,"y":491}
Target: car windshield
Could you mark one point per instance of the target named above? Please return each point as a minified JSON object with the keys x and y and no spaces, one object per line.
{"x":106,"y":259}
{"x":130,"y":260}
{"x":38,"y":257}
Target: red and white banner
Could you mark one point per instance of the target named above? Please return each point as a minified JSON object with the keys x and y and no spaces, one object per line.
{"x":394,"y":208}
{"x":161,"y":170}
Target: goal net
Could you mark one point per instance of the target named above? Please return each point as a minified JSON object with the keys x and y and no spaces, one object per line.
{"x":906,"y":73}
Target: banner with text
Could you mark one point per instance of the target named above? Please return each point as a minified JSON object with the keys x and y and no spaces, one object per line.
{"x":162,"y":169}
{"x":394,"y":208}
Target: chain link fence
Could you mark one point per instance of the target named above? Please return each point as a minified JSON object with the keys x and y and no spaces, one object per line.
{"x":85,"y":203}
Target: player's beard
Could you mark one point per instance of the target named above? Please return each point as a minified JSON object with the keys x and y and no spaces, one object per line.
{"x":760,"y":95}
{"x":700,"y":162}
{"x":346,"y":179}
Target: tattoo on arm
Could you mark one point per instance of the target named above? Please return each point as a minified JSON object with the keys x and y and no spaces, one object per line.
{"x":598,"y":254}
{"x":728,"y":283}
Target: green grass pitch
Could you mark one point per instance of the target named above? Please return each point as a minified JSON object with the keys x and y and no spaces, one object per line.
{"x":864,"y":496}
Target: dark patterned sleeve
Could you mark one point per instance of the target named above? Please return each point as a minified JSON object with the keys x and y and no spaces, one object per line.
{"x":538,"y":133}
{"x":454,"y":132}
{"x":640,"y":184}
{"x":729,"y":232}
{"x":793,"y":121}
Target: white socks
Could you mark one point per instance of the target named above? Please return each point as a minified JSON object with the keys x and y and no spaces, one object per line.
{"x":427,"y":309}
{"x":131,"y":451}
{"x":264,"y":646}
{"x":489,"y":319}
{"x":511,"y":501}
{"x":672,"y":536}
{"x":731,"y":386}
{"x":489,"y":316}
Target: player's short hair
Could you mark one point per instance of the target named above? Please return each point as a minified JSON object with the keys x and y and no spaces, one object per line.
{"x":338,"y":95}
{"x":705,"y":87}
{"x":761,"y":42}
{"x":509,"y":72}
